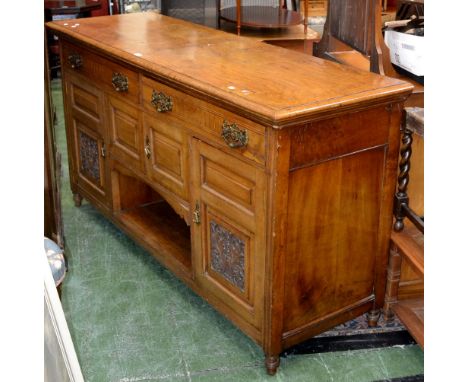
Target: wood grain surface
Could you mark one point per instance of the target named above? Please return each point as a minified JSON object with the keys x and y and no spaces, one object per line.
{"x":267,"y":83}
{"x":262,"y":178}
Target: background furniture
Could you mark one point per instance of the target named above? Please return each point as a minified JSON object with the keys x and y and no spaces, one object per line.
{"x":191,"y":10}
{"x":221,"y":170}
{"x":407,"y":240}
{"x":205,"y":12}
{"x":264,"y":16}
{"x":56,"y":260}
{"x":78,"y":8}
{"x":407,"y":8}
{"x":55,"y":9}
{"x":407,"y":247}
{"x":353,"y":36}
{"x":317,"y":7}
{"x":53,"y":225}
{"x":60,"y":360}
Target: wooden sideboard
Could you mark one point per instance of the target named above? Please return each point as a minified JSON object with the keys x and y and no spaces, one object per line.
{"x":263,"y":178}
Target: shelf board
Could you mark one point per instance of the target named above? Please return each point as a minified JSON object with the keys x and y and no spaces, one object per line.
{"x":411,"y":314}
{"x":263,"y":16}
{"x":162,"y":229}
{"x":410,"y":242}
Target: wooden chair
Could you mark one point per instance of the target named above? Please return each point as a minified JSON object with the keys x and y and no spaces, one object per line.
{"x":353,"y":36}
{"x":406,"y":246}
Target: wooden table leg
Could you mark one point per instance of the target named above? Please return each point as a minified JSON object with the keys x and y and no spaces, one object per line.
{"x":306,"y":17}
{"x":393,"y":281}
{"x":238,"y":9}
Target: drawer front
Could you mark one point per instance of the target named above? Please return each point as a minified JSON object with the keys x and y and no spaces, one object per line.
{"x":233,"y":134}
{"x":115,"y":78}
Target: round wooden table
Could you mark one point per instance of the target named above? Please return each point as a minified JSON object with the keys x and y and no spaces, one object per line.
{"x":263,"y":16}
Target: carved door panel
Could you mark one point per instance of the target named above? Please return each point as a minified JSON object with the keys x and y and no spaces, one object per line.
{"x":90,"y":156}
{"x":229,"y":231}
{"x":165,"y":148}
{"x":85,"y":126}
{"x":125,"y":134}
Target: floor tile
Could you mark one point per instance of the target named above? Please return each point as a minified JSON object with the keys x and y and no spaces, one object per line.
{"x":232,"y":375}
{"x":400,"y":361}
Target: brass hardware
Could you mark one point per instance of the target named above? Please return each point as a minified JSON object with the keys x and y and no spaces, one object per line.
{"x":234,"y":136}
{"x":120,"y":82}
{"x":147,"y":148}
{"x":196,"y":214}
{"x":75,"y":60}
{"x":161,"y":102}
{"x":103,"y":151}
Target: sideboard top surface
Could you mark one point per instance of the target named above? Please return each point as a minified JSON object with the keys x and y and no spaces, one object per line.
{"x":270,"y":84}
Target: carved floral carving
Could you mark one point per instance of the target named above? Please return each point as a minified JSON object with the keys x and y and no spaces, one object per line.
{"x":89,"y":157}
{"x":227,"y":255}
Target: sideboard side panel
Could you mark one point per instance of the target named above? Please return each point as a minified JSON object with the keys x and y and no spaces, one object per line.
{"x":334,"y":236}
{"x":333,"y":221}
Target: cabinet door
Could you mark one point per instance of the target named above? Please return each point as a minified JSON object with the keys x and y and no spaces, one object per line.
{"x":85,"y":126}
{"x":166,"y":154}
{"x":125,"y":135}
{"x":229,"y":232}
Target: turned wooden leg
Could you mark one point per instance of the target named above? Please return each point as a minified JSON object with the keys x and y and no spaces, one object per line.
{"x":77,"y":198}
{"x":393,"y":281}
{"x":271,"y":363}
{"x":373,"y":317}
{"x":401,"y":197}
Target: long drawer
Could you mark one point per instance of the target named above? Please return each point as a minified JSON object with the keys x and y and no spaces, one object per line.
{"x":112,"y":76}
{"x":235,"y":134}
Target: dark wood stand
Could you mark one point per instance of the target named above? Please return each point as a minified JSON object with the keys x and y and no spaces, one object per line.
{"x":262,"y":16}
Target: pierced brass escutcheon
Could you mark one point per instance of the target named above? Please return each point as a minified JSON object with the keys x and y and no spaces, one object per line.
{"x":196,"y":214}
{"x":147,"y":148}
{"x":161,"y":102}
{"x":120,"y":82}
{"x":234,"y":136}
{"x":75,"y":60}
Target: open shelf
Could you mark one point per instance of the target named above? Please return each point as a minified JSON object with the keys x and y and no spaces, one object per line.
{"x":163,"y":229}
{"x":262,"y":16}
{"x":143,"y":212}
{"x":411,"y":314}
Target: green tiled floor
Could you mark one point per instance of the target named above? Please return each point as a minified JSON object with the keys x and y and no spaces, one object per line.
{"x":131,"y":320}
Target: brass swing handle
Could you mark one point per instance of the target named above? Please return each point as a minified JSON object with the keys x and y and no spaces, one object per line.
{"x":161,"y":102}
{"x":147,"y":148}
{"x":196,"y":214}
{"x":75,"y":60}
{"x":233,"y":136}
{"x":120,"y":82}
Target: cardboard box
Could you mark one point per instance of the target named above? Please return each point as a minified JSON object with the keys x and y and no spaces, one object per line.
{"x":406,"y":51}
